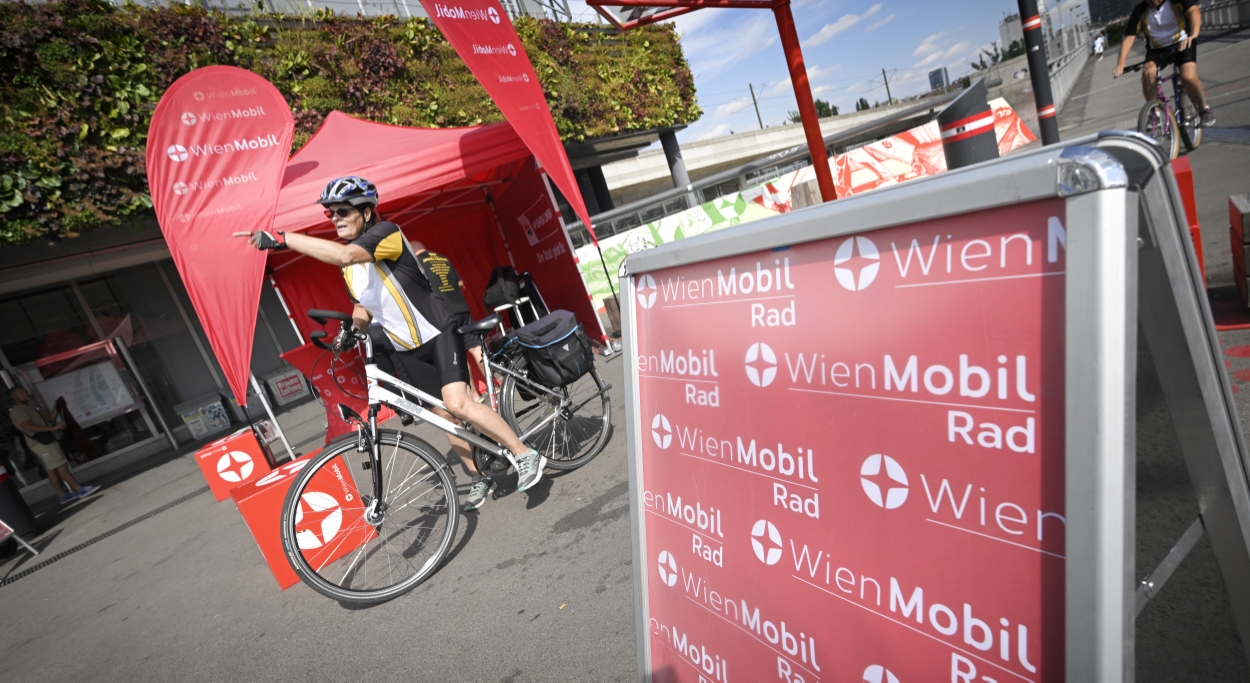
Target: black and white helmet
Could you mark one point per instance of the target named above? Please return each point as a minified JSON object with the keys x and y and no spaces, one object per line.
{"x":350,"y":189}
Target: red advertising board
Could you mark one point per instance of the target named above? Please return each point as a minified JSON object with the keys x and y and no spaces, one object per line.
{"x":231,"y":462}
{"x":852,"y":455}
{"x":328,"y":525}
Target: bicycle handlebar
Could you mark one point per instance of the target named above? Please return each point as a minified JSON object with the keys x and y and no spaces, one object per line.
{"x":323,"y":316}
{"x":316,"y":338}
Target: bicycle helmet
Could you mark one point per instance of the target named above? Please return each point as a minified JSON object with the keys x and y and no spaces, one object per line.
{"x":350,"y":189}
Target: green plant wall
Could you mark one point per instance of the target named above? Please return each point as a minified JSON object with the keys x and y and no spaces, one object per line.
{"x":82,"y":77}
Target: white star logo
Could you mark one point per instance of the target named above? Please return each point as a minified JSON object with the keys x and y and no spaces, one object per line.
{"x":494,"y":16}
{"x":867,"y":273}
{"x":661,"y":431}
{"x":668,"y":568}
{"x":181,"y":188}
{"x":199,"y":96}
{"x":894,"y":495}
{"x":646,"y":291}
{"x":511,"y":49}
{"x":188,"y":119}
{"x":879,"y":674}
{"x":326,"y":515}
{"x":770,"y":554}
{"x":761,"y":364}
{"x":177,"y":152}
{"x":226,"y":466}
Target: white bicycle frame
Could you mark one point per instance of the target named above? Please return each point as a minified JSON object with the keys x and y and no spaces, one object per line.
{"x":380,"y":395}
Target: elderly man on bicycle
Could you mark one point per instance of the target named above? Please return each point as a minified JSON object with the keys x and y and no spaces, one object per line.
{"x":1171,"y":29}
{"x":386,"y":282}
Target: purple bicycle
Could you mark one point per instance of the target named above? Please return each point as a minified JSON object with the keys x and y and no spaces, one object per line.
{"x":1167,"y":125}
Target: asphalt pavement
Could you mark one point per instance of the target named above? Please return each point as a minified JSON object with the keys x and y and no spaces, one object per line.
{"x":538,"y":588}
{"x":154,"y":580}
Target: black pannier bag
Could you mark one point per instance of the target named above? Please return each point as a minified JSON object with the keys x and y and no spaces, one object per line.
{"x":557,"y":349}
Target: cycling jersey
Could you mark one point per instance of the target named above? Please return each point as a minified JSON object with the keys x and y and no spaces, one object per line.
{"x":1164,"y":25}
{"x":444,"y":279}
{"x":394,"y":290}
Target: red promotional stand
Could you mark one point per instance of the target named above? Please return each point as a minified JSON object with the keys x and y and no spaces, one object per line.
{"x":233,"y":461}
{"x":329,"y":524}
{"x":918,"y":462}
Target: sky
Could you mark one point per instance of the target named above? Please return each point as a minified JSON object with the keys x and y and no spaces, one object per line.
{"x":846,"y":44}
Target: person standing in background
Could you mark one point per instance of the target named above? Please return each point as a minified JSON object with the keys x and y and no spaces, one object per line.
{"x":40,"y":438}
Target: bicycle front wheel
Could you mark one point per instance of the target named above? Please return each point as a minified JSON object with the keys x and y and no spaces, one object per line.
{"x":570,"y":427}
{"x":1188,"y":120}
{"x":352,"y":548}
{"x":1156,"y":121}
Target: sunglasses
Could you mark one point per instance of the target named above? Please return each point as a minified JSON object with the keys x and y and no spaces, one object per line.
{"x":341,"y":212}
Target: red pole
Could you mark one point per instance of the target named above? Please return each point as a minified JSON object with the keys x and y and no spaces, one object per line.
{"x":803,"y":93}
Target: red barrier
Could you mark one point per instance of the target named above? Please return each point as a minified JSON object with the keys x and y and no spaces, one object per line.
{"x":232,"y":461}
{"x":330,"y":526}
{"x":1185,"y":181}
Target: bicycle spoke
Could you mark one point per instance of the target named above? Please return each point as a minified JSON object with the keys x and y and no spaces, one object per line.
{"x":363,"y":562}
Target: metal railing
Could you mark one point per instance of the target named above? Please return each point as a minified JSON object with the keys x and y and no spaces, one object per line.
{"x":753,"y":173}
{"x":1066,"y":68}
{"x":1225,"y":14}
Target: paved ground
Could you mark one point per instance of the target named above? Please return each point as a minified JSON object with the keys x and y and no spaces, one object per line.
{"x":1187,"y":632}
{"x":539,"y":586}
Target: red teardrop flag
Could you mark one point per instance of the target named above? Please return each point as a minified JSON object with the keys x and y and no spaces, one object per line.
{"x":217,"y":149}
{"x":485,"y":39}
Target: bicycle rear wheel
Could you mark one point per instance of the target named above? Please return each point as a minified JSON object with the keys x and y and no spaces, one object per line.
{"x":1188,"y":120}
{"x":349,"y":550}
{"x":579,"y":418}
{"x":1156,"y":121}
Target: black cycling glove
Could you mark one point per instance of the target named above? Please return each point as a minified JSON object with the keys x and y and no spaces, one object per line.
{"x":268,"y":240}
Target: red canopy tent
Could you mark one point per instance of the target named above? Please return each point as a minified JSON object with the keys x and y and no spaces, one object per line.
{"x":474,"y":195}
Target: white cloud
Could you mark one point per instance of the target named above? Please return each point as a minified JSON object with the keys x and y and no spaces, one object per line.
{"x":731,"y":108}
{"x":933,"y":57}
{"x":822,"y":89}
{"x":784,"y":86}
{"x":956,"y":49}
{"x":710,"y":47}
{"x":929,"y":44}
{"x":816,"y":72}
{"x":876,"y":25}
{"x":843,"y":23}
{"x":717,"y":131}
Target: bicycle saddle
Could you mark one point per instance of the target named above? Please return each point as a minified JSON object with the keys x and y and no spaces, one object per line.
{"x":486,"y":324}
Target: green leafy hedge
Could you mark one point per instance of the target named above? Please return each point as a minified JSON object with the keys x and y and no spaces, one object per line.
{"x":82,"y":78}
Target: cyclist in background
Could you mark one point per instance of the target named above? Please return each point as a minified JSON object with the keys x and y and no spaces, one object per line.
{"x":385,"y":281}
{"x":446,"y":281}
{"x":1171,"y":29}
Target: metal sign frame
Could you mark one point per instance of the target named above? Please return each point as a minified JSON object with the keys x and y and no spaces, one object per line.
{"x":1130,"y":262}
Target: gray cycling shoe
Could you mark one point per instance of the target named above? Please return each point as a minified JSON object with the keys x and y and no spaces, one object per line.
{"x":478,"y":492}
{"x":1206,"y":119}
{"x":529,"y":469}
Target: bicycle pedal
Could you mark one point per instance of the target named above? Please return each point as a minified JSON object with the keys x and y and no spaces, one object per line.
{"x":406,"y":420}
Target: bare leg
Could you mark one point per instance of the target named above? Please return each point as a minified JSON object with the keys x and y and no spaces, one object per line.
{"x":55,"y":480}
{"x":456,"y":398}
{"x":459,"y":445}
{"x":1149,"y":72}
{"x":1193,"y":85}
{"x":73,"y":484}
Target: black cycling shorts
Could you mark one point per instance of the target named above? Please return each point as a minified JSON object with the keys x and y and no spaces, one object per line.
{"x":1164,"y":56}
{"x":473,"y":339}
{"x":436,"y":363}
